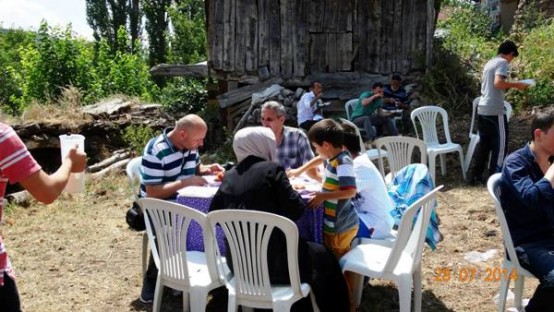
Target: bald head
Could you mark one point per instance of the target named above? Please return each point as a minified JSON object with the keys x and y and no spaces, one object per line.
{"x":189,"y":132}
{"x":190,"y":122}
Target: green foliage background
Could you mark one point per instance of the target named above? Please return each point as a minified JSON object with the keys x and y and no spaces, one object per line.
{"x":469,"y":42}
{"x":36,"y":66}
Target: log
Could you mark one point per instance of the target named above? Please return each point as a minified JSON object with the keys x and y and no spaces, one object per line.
{"x":118,"y":165}
{"x":238,"y":95}
{"x":108,"y":161}
{"x":199,"y":70}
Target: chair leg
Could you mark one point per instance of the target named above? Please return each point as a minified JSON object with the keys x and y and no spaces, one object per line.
{"x":404,"y":286}
{"x":144,"y":252}
{"x":462,"y":162}
{"x":432,"y":166}
{"x":187,"y":306}
{"x":443,"y":164}
{"x":358,"y":284}
{"x":502,"y":295}
{"x":198,"y":300}
{"x":158,"y":293}
{"x":315,"y":307}
{"x":232,"y":304}
{"x":470,"y":151}
{"x":518,"y":292}
{"x":417,"y":290}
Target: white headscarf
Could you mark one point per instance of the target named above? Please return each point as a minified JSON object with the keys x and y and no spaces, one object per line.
{"x":255,"y":141}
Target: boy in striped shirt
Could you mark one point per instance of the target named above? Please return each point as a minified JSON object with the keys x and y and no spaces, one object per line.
{"x":340,"y":220}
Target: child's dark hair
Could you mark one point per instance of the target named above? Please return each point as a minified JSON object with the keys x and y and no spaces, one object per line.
{"x":351,"y":138}
{"x":543,"y":120}
{"x":326,"y":130}
{"x":377,"y":85}
{"x":508,"y":47}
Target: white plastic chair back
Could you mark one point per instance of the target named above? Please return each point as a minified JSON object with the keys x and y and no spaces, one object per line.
{"x":427,"y":117}
{"x":247,"y":233}
{"x":399,"y":261}
{"x":349,"y":107}
{"x":411,"y":236}
{"x":512,"y":265}
{"x":400,"y":151}
{"x":193,"y":272}
{"x":134,"y":174}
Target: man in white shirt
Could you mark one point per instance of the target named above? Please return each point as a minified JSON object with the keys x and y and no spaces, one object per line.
{"x":308,"y":106}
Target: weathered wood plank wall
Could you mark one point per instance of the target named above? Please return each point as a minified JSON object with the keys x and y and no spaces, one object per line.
{"x":292,"y":39}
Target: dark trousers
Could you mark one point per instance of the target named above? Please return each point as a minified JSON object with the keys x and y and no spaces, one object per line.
{"x":9,"y":297}
{"x":371,"y":124}
{"x":493,"y":144}
{"x":306,"y":125}
{"x":538,"y":258}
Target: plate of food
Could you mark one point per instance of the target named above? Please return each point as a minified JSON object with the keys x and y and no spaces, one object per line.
{"x":215,"y":180}
{"x":530,"y":82}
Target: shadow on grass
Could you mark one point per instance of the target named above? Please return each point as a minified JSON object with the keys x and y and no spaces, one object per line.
{"x":385,"y":298}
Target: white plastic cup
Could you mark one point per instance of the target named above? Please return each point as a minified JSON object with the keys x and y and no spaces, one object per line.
{"x":76,"y":182}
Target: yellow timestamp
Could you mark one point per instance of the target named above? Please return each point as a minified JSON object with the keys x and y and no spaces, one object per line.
{"x":468,"y":274}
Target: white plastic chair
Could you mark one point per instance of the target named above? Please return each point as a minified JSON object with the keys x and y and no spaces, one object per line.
{"x":247,"y":233}
{"x":474,"y":135}
{"x":400,"y":150}
{"x":399,"y":261}
{"x":427,"y":117}
{"x":133,"y":173}
{"x":192,"y":272}
{"x":512,"y":264}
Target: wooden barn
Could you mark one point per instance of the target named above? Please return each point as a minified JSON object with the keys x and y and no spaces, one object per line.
{"x":336,"y":41}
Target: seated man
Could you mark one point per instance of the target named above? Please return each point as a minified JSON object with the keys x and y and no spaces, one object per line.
{"x":396,"y":98}
{"x":170,"y":162}
{"x":370,"y":115}
{"x":293,"y":147}
{"x":309,"y":105}
{"x":527,"y":199}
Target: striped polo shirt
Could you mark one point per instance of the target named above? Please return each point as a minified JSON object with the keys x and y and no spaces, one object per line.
{"x":339,"y":215}
{"x":16,"y":164}
{"x":162,"y":163}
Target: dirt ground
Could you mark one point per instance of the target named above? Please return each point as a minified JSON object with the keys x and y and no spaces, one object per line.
{"x":79,"y":255}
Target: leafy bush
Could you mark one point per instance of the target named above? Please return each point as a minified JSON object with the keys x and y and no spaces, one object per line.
{"x":184,"y":95}
{"x":136,"y":137}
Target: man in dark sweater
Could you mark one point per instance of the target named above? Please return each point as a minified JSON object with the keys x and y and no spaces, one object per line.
{"x":528,"y":202}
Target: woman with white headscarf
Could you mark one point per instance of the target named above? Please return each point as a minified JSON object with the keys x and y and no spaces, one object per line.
{"x":257,"y":182}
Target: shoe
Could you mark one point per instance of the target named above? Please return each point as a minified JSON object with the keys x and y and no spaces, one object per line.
{"x":147,"y":292}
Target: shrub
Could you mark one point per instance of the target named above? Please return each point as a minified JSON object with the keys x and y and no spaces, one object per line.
{"x":136,"y":137}
{"x":184,"y":95}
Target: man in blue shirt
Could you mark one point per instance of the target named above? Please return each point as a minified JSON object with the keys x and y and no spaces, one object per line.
{"x":527,"y":199}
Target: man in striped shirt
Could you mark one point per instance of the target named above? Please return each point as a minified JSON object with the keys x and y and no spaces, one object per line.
{"x":18,"y":166}
{"x":170,"y":162}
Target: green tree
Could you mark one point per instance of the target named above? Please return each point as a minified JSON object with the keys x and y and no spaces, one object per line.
{"x":188,"y":40}
{"x":54,"y":60}
{"x":106,"y":17}
{"x":10,"y":64}
{"x":156,"y":26}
